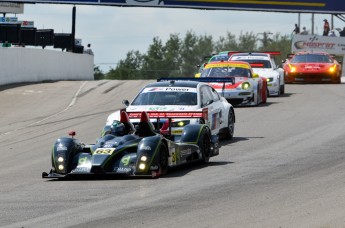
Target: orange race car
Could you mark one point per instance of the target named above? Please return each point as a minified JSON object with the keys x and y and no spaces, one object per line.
{"x":312,"y":67}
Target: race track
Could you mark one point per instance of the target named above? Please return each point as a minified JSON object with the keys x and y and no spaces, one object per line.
{"x":285,"y":166}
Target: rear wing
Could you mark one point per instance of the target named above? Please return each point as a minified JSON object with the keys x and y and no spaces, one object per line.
{"x":166,"y":115}
{"x":170,"y":115}
{"x":205,"y":79}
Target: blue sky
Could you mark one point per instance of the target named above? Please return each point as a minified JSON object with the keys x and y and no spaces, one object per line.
{"x":113,"y":31}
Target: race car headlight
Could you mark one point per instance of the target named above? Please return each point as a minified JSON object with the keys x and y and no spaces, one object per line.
{"x":332,"y":69}
{"x":269,"y":79}
{"x":180,"y":123}
{"x":245,"y":85}
{"x":143,"y":158}
{"x":142,"y":166}
{"x":292,"y":68}
{"x":61,"y":167}
{"x":60,"y":159}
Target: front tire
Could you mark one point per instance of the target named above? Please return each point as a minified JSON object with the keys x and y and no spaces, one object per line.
{"x":231,"y":125}
{"x":163,"y":158}
{"x":204,"y":144}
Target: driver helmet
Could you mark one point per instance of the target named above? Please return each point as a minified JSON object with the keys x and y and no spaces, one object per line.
{"x":118,"y":129}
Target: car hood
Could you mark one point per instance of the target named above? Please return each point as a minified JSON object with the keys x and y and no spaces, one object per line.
{"x":266,"y":72}
{"x":238,"y":81}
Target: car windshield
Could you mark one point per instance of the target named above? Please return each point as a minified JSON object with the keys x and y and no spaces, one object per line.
{"x":217,"y":58}
{"x":311,"y":58}
{"x":165,"y":98}
{"x":258,"y":63}
{"x":226,"y":71}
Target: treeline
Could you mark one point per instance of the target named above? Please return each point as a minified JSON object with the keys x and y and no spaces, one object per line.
{"x":179,"y":57}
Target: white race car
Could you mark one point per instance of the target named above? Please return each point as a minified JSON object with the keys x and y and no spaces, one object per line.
{"x":264,"y":65}
{"x":179,"y":97}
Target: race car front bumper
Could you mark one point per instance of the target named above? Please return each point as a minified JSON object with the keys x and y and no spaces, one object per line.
{"x":239,"y":97}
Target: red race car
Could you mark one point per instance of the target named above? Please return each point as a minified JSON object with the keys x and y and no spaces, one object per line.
{"x":312,"y":67}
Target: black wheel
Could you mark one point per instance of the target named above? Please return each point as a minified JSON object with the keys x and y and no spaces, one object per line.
{"x":205,"y":146}
{"x":163,"y":158}
{"x":231,"y":125}
{"x":282,"y":89}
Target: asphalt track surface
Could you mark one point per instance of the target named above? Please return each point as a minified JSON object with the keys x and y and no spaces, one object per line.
{"x":285,"y":166}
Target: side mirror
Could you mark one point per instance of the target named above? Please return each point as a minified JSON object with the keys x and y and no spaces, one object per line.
{"x":125,"y":102}
{"x":209,"y":102}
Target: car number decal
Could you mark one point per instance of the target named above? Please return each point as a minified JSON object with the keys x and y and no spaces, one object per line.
{"x":108,"y":151}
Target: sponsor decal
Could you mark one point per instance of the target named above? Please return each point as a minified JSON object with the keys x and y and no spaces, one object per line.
{"x":224,"y":64}
{"x":186,"y":152}
{"x":81,"y":170}
{"x":61,"y":147}
{"x":125,"y":160}
{"x":122,"y":170}
{"x":157,"y":108}
{"x":169,"y":89}
{"x":145,"y":147}
{"x":154,"y":167}
{"x":82,"y":161}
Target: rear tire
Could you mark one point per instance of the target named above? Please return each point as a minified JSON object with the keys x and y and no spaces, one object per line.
{"x":205,"y":146}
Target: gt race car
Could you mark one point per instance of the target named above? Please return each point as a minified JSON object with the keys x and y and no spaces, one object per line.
{"x":312,"y":67}
{"x":126,"y":152}
{"x":264,"y":64}
{"x":244,"y":88}
{"x":182,"y":94}
{"x":221,"y":56}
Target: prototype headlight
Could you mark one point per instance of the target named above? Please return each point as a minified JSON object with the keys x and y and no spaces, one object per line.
{"x":245,"y":85}
{"x":269,"y":79}
{"x":143,"y":158}
{"x":60,"y":159}
{"x":142,"y":166}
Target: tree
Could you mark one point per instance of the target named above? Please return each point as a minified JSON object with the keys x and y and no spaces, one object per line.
{"x":227,"y":43}
{"x":128,"y":68}
{"x":98,"y":73}
{"x":193,"y":50}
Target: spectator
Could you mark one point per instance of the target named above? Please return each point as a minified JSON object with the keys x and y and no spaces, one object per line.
{"x":88,"y":50}
{"x":304,"y":32}
{"x":325,"y":27}
{"x":332,"y":33}
{"x":296,"y":30}
{"x":342,"y":32}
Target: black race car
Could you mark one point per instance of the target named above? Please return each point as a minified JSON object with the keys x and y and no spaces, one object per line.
{"x":127,"y":151}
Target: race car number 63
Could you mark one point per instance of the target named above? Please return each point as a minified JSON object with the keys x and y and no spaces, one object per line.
{"x":104,"y":151}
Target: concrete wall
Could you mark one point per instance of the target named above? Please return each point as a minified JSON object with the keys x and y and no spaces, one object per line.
{"x":18,"y":64}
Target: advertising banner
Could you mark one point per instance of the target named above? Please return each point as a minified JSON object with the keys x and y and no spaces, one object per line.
{"x":11,"y":7}
{"x":332,"y":45}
